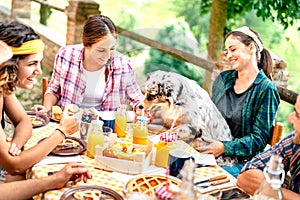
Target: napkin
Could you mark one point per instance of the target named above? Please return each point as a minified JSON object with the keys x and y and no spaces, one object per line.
{"x":204,"y":190}
{"x":204,"y":159}
{"x":59,"y":159}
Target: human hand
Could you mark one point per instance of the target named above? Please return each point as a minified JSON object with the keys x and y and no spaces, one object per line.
{"x":213,"y":147}
{"x":68,"y":123}
{"x":74,"y":172}
{"x":39,"y":108}
{"x":5,"y":52}
{"x":14,"y":150}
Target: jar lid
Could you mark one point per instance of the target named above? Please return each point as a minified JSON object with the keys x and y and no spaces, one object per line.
{"x":97,"y":122}
{"x":142,"y":119}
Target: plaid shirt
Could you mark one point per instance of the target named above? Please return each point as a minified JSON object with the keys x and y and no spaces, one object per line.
{"x":258,"y":114}
{"x":68,"y":82}
{"x":285,"y":148}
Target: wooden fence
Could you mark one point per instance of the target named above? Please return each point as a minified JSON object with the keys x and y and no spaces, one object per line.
{"x":285,"y":94}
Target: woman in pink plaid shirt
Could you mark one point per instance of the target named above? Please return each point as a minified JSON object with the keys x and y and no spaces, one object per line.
{"x":92,"y":74}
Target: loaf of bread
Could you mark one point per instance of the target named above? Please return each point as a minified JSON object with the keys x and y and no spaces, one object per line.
{"x":56,"y":112}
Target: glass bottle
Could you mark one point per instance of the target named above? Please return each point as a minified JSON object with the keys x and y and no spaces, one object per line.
{"x":121,"y":121}
{"x":95,"y":137}
{"x":274,"y":177}
{"x":140,"y":131}
{"x":187,"y":190}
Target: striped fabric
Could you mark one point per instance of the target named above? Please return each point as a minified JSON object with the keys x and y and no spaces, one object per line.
{"x":291,"y":160}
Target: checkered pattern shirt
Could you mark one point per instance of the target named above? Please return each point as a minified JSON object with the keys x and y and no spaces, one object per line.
{"x":285,"y":148}
{"x":258,"y":114}
{"x":68,"y":82}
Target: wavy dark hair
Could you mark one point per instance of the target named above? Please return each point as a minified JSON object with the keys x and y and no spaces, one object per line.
{"x":13,"y":34}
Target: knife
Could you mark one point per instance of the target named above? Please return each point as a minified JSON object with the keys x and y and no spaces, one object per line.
{"x":214,"y":183}
{"x":211,"y":179}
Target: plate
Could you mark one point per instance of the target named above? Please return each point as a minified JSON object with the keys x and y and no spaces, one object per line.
{"x":106,"y":193}
{"x":39,"y":120}
{"x":72,"y":151}
{"x":148,"y":183}
{"x":49,"y":113}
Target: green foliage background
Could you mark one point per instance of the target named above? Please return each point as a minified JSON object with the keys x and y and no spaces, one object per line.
{"x":152,"y":15}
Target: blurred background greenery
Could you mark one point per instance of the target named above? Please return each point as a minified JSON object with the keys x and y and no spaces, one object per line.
{"x":179,"y":23}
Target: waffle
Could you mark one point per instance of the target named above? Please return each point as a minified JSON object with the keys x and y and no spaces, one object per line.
{"x":87,"y":195}
{"x":148,"y":183}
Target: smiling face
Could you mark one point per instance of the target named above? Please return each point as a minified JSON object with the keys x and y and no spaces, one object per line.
{"x":99,"y":53}
{"x":237,"y":53}
{"x":294,"y":119}
{"x":29,"y":69}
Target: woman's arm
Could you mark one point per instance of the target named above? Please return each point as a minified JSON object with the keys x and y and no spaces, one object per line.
{"x":23,"y":127}
{"x":19,"y":164}
{"x":28,"y":188}
{"x":132,"y":88}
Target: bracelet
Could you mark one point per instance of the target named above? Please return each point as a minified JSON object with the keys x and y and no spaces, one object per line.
{"x":57,"y":129}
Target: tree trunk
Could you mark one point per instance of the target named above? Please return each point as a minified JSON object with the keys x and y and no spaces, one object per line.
{"x":216,"y":37}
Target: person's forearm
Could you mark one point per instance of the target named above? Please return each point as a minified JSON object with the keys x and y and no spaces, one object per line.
{"x":49,"y":101}
{"x":19,"y":164}
{"x":25,"y":189}
{"x":250,"y":180}
{"x":22,"y":133}
{"x":289,"y":195}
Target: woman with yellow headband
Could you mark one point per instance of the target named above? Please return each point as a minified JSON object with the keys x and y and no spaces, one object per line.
{"x":246,"y":97}
{"x":21,"y":71}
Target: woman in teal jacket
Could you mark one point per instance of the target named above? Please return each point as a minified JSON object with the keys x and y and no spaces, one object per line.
{"x":246,"y":97}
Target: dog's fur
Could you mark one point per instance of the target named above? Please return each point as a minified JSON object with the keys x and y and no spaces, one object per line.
{"x":170,"y":96}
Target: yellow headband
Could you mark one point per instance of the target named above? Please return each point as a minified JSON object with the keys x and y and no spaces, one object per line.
{"x":29,"y":47}
{"x":247,"y":31}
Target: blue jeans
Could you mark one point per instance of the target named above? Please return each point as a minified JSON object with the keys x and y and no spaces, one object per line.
{"x":234,"y":170}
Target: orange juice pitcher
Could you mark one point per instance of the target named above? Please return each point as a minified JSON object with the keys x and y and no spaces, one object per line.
{"x":95,"y":138}
{"x":121,"y":121}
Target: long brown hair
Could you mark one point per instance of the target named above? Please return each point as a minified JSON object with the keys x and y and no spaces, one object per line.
{"x":96,"y":27}
{"x":264,"y":59}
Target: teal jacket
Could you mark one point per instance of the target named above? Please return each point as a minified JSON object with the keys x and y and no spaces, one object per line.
{"x":258,"y":114}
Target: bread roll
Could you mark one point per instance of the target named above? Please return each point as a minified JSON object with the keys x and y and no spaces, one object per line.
{"x":56,"y":112}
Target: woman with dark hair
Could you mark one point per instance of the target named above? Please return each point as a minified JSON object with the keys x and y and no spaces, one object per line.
{"x":21,"y":71}
{"x":246,"y":97}
{"x":92,"y":74}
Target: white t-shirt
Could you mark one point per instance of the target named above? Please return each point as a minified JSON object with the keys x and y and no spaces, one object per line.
{"x":95,"y":86}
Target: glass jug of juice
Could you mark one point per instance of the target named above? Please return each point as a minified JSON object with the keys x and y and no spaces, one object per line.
{"x":140,"y":131}
{"x":95,"y":138}
{"x":121,"y":121}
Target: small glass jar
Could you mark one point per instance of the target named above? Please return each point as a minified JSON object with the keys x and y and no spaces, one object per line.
{"x":121,"y":121}
{"x":140,"y":131}
{"x":95,"y":138}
